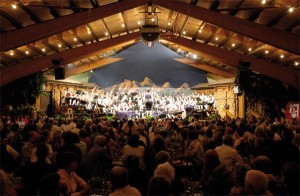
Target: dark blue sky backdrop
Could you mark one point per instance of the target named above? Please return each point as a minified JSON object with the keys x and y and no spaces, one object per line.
{"x":155,"y":62}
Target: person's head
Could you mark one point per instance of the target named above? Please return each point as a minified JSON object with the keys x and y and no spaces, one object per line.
{"x":165,"y":169}
{"x":15,"y":127}
{"x":82,"y":133}
{"x":69,"y":161}
{"x":228,"y":140}
{"x":100,"y":140}
{"x":33,"y":136}
{"x":162,"y":157}
{"x":134,"y":139}
{"x":132,"y":161}
{"x":42,"y":151}
{"x":256,"y":182}
{"x":119,"y":177}
{"x":263,"y":163}
{"x":49,"y":185}
{"x":211,"y":159}
{"x":192,"y":134}
{"x":159,"y":185}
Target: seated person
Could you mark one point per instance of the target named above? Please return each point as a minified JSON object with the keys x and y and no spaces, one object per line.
{"x":159,"y":185}
{"x":69,"y":180}
{"x":256,"y":183}
{"x":119,"y":181}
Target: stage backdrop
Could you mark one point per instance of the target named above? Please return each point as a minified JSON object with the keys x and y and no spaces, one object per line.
{"x":154,"y":62}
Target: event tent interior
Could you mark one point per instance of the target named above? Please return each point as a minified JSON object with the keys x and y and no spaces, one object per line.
{"x":218,"y":38}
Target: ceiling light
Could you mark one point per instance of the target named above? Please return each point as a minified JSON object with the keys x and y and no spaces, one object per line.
{"x":75,"y":39}
{"x":233,"y":45}
{"x":291,"y":9}
{"x":139,"y":22}
{"x":216,"y":38}
{"x":106,"y":33}
{"x":194,"y":56}
{"x":281,"y":56}
{"x":200,"y":31}
{"x":44,"y":50}
{"x":89,"y":32}
{"x":152,"y":19}
{"x":59,"y":45}
{"x":14,"y":6}
{"x":267,"y":52}
{"x":184,"y":32}
{"x":91,"y":71}
{"x":11,"y":53}
{"x":169,"y":23}
{"x":27,"y":52}
{"x":296,"y":63}
{"x":263,"y":2}
{"x":249,"y":49}
{"x":123,"y":25}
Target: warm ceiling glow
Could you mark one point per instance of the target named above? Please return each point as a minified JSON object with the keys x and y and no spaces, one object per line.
{"x":14,"y":6}
{"x":169,"y":23}
{"x":27,"y":52}
{"x":106,"y":33}
{"x":263,"y":2}
{"x":233,"y":45}
{"x":11,"y":53}
{"x":89,"y":32}
{"x":91,"y":71}
{"x":194,"y":56}
{"x":296,"y":63}
{"x":200,"y":31}
{"x":179,"y":49}
{"x":44,"y":50}
{"x":139,"y":22}
{"x":281,"y":56}
{"x":75,"y":39}
{"x":216,"y":38}
{"x":59,"y":45}
{"x":184,"y":32}
{"x":123,"y":25}
{"x":249,"y":49}
{"x":267,"y":51}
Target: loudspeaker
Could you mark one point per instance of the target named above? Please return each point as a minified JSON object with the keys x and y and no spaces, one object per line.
{"x":59,"y":73}
{"x":243,"y":78}
{"x":56,"y":62}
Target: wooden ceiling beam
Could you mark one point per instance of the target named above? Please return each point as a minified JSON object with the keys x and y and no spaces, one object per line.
{"x":32,"y":15}
{"x":233,"y":59}
{"x":208,"y":68}
{"x":275,"y":37}
{"x":89,"y":66}
{"x":31,"y":33}
{"x":28,"y":67}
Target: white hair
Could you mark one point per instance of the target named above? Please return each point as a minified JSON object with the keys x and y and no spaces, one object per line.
{"x":165,"y":169}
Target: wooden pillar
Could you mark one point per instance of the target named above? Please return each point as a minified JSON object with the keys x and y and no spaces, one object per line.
{"x":241,"y":106}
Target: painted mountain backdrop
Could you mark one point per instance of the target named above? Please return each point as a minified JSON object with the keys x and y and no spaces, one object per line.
{"x":147,"y":83}
{"x":140,"y":61}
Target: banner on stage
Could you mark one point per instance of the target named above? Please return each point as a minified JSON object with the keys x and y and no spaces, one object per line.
{"x":292,"y":111}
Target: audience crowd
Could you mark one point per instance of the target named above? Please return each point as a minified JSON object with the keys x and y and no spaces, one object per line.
{"x":156,"y":157}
